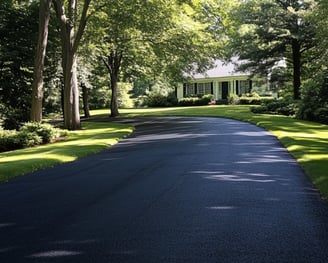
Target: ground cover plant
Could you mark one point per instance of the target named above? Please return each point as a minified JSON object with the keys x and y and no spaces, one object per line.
{"x":94,"y":137}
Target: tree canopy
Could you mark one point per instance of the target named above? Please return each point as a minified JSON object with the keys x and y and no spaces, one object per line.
{"x":97,"y":44}
{"x":270,"y":31}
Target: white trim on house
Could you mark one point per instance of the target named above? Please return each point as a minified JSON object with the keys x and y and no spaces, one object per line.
{"x":220,"y":81}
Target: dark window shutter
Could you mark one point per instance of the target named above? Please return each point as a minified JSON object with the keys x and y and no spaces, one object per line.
{"x":237,"y":87}
{"x":195,"y":88}
{"x":184,"y":89}
{"x":212,"y":89}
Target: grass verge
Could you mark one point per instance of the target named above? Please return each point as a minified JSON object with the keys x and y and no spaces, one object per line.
{"x":306,"y":141}
{"x":94,"y":137}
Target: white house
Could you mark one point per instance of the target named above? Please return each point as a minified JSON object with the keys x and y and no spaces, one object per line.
{"x":220,"y":81}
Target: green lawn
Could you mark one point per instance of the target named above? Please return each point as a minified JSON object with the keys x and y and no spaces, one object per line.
{"x":306,"y":141}
{"x":94,"y":137}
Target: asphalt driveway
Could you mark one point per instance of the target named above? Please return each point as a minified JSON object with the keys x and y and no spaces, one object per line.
{"x":177,"y":190}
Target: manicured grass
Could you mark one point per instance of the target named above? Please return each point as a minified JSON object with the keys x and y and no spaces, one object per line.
{"x":94,"y":137}
{"x":306,"y":141}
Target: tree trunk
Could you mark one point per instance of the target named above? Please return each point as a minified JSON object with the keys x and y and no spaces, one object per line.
{"x":37,"y":85}
{"x":85,"y":96}
{"x":71,"y":39}
{"x":296,"y":53}
{"x":114,"y":103}
{"x":113,"y":64}
{"x":71,"y":91}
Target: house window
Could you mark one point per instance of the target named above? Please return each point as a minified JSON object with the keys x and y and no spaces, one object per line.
{"x":189,"y":89}
{"x":244,"y":86}
{"x":204,"y":88}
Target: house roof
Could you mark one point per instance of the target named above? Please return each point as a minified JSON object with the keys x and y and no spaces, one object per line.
{"x":221,"y":69}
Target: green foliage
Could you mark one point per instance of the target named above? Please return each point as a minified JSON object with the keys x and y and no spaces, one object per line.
{"x":196,"y":101}
{"x":30,"y":134}
{"x":233,"y":99}
{"x":254,"y":99}
{"x":314,"y":104}
{"x":94,"y":137}
{"x":13,"y":118}
{"x":247,"y":99}
{"x":28,"y":139}
{"x":46,"y":131}
{"x":281,"y":107}
{"x":123,"y":94}
{"x":18,"y":30}
{"x":160,"y":100}
{"x":269,"y":32}
{"x":13,"y":140}
{"x":159,"y":93}
{"x":8,"y":140}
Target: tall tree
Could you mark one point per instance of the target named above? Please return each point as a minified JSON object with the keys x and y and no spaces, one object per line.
{"x":37,"y":85}
{"x":319,"y":18}
{"x":18,"y":24}
{"x":132,"y":42}
{"x":272,"y":30}
{"x":72,"y":26}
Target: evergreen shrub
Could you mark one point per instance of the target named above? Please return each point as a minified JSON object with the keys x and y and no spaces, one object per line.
{"x":314,"y":104}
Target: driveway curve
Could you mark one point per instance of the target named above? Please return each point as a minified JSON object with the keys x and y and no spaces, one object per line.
{"x":178,"y":190}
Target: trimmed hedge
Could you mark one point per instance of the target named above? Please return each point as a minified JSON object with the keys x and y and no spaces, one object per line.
{"x":248,"y":99}
{"x":196,"y":101}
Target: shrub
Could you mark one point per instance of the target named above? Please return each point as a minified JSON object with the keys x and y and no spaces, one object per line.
{"x":160,"y":100}
{"x":259,"y":109}
{"x":248,"y":99}
{"x":28,"y":139}
{"x":196,"y":101}
{"x":321,"y":115}
{"x":233,"y":99}
{"x":314,"y":100}
{"x":8,"y":140}
{"x":46,"y":131}
{"x":30,"y":134}
{"x":189,"y":101}
{"x":13,"y":140}
{"x":282,"y":107}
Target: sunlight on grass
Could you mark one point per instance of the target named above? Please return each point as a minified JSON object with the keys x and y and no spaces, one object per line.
{"x":94,"y":137}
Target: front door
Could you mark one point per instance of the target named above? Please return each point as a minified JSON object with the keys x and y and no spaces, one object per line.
{"x":225,"y":90}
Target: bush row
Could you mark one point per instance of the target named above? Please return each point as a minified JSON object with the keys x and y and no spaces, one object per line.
{"x":282,"y":107}
{"x":30,"y":134}
{"x":294,"y":108}
{"x":160,"y":100}
{"x":312,"y":107}
{"x":248,"y":99}
{"x":196,"y":101}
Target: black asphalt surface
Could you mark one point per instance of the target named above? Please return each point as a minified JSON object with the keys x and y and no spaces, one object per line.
{"x":177,"y":190}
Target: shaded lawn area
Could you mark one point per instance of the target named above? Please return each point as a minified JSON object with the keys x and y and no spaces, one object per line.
{"x":306,"y":141}
{"x":94,"y":137}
